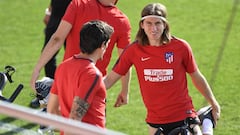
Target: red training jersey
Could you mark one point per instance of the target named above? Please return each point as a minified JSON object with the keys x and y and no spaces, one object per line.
{"x":161,"y":72}
{"x":82,"y":11}
{"x":75,"y":77}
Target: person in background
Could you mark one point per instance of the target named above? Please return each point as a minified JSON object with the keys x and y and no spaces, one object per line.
{"x":78,"y":91}
{"x":52,"y":18}
{"x":78,"y":13}
{"x":162,"y":63}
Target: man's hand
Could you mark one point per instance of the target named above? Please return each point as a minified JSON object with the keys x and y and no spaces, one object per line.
{"x":122,"y":99}
{"x":216,"y":111}
{"x":34,"y":78}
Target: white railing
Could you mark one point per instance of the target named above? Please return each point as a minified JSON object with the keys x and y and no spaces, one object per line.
{"x":54,"y":121}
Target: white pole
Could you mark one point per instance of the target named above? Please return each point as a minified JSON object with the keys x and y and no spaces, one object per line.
{"x":57,"y":122}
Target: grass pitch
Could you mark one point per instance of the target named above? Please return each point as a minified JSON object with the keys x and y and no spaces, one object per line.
{"x":211,"y":27}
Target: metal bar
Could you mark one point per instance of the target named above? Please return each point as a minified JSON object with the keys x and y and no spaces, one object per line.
{"x":57,"y":122}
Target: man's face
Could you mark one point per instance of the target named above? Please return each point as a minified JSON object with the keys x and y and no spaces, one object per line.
{"x":153,"y":28}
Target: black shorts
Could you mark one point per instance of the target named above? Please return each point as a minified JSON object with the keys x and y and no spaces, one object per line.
{"x":168,"y":127}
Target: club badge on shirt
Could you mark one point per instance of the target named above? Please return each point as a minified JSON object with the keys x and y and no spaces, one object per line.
{"x":169,"y":57}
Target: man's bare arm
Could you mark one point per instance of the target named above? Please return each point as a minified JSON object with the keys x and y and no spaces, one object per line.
{"x":79,"y":108}
{"x":54,"y":44}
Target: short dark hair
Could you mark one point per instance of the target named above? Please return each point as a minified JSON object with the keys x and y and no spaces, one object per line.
{"x":93,"y":34}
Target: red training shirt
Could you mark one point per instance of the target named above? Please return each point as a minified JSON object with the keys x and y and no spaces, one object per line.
{"x":82,"y":11}
{"x":75,"y":77}
{"x":161,"y":72}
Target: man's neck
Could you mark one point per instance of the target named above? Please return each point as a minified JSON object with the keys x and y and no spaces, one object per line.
{"x":91,"y":57}
{"x":107,"y":2}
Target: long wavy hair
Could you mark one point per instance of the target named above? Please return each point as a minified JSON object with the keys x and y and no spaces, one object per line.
{"x":153,"y":9}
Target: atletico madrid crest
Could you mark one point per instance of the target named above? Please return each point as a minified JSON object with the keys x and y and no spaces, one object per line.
{"x":169,"y":57}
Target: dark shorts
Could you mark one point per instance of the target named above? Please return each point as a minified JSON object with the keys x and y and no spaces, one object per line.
{"x":168,"y":127}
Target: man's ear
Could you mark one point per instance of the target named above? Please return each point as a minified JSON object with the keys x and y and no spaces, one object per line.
{"x":103,"y":46}
{"x":141,"y":24}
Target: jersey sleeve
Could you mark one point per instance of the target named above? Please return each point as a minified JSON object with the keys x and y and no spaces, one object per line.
{"x":54,"y":89}
{"x":71,"y":11}
{"x":124,"y":62}
{"x":189,"y":60}
{"x":124,"y":38}
{"x":88,"y":86}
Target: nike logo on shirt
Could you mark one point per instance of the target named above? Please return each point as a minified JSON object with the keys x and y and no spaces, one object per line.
{"x":144,"y":59}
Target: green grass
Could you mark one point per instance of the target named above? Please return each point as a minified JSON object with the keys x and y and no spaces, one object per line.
{"x":202,"y":23}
